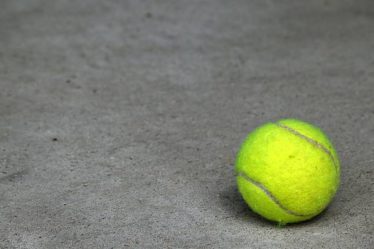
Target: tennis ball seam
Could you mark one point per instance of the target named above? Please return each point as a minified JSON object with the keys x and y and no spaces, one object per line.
{"x":310,"y":140}
{"x":270,"y":195}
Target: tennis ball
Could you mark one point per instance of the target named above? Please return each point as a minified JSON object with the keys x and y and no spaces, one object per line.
{"x":287,"y":171}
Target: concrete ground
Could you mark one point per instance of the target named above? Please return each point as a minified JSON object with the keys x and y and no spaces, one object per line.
{"x":120,"y":120}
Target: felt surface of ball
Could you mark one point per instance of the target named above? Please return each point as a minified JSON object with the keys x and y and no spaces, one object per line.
{"x":287,"y":171}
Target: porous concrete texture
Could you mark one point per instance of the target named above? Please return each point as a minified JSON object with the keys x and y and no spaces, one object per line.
{"x":120,"y":120}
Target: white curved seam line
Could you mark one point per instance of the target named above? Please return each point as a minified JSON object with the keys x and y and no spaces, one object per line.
{"x":308,"y":139}
{"x":270,"y":195}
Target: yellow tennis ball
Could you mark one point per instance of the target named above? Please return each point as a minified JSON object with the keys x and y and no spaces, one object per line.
{"x":287,"y":171}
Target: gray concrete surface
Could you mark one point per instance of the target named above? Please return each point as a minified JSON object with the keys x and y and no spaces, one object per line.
{"x":120,"y":120}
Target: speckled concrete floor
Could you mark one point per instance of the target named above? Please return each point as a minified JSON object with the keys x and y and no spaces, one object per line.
{"x":120,"y":120}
